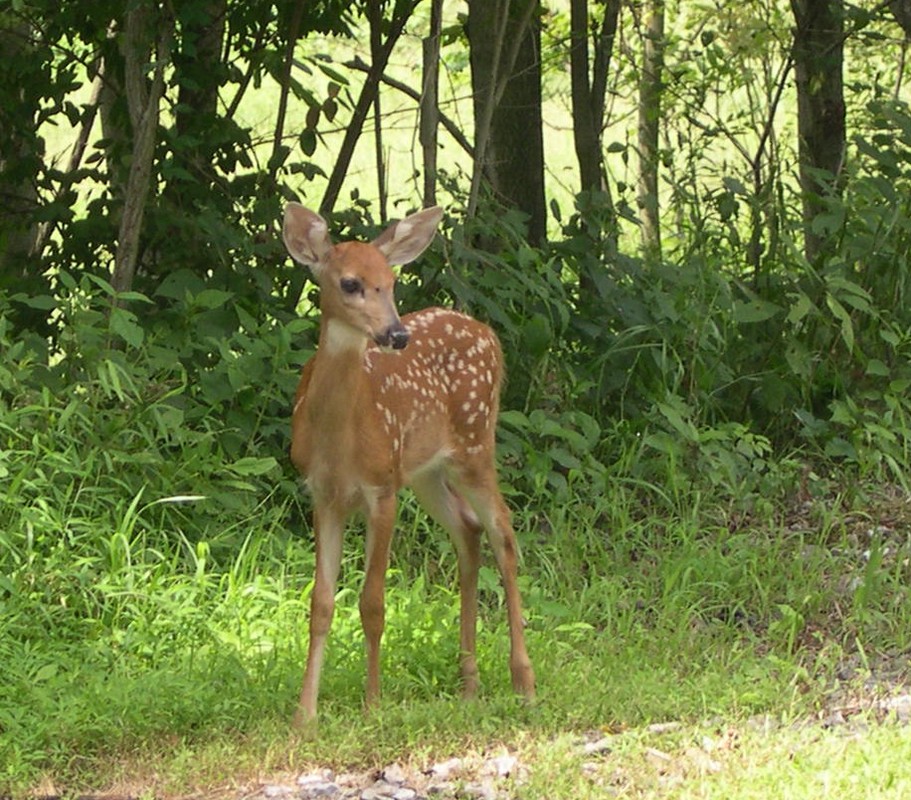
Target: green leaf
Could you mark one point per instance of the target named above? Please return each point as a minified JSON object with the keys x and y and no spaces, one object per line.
{"x":678,"y":423}
{"x":513,"y":418}
{"x":42,"y":302}
{"x":138,"y":297}
{"x":877,"y":367}
{"x":537,"y":335}
{"x":800,"y":308}
{"x":124,"y":324}
{"x":754,"y":311}
{"x":564,"y":458}
{"x":250,"y":465}
{"x":307,"y":141}
{"x":841,"y":314}
{"x":211,"y":298}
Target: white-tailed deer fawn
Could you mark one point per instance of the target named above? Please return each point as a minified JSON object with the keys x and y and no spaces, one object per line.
{"x":388,"y":402}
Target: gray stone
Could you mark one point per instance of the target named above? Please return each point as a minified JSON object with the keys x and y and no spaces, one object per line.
{"x":273,"y":791}
{"x":317,"y":784}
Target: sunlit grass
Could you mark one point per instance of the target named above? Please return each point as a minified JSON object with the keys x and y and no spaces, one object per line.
{"x":146,"y":642}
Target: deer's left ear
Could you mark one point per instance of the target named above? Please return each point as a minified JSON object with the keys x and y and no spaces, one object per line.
{"x":306,"y":236}
{"x":405,"y":240}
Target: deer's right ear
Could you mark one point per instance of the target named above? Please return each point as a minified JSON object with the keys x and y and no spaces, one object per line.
{"x":306,"y":236}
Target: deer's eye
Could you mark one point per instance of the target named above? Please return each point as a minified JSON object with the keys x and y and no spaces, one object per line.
{"x":351,"y":286}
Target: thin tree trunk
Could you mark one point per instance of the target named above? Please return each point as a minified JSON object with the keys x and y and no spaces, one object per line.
{"x":375,"y":16}
{"x":493,"y":62}
{"x":901,"y":10}
{"x":143,"y":102}
{"x":430,"y":108}
{"x":198,"y":72}
{"x":588,"y":97}
{"x":763,"y":199}
{"x":818,"y":62}
{"x":588,"y":91}
{"x":650,"y":91}
{"x":21,"y":151}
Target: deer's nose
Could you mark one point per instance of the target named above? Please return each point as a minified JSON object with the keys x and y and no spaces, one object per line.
{"x":398,"y":338}
{"x":395,"y":336}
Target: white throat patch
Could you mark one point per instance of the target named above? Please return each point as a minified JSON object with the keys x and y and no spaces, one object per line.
{"x":341,"y":336}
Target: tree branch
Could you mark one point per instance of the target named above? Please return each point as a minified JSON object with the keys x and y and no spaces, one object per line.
{"x":451,"y":128}
{"x":361,"y":109}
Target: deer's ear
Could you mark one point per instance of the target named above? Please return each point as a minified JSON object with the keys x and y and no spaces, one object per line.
{"x":405,"y":240}
{"x":306,"y":236}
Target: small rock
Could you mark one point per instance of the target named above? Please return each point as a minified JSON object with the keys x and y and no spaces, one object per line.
{"x":501,"y":766}
{"x":277,"y":790}
{"x":317,"y":784}
{"x":483,"y":790}
{"x":590,"y":769}
{"x":764,"y":724}
{"x":602,"y":745}
{"x":446,"y":769}
{"x":658,"y":757}
{"x":899,"y":706}
{"x":381,"y":790}
{"x":664,"y":727}
{"x":394,"y":774}
{"x":702,"y":761}
{"x":404,"y":793}
{"x":312,"y":791}
{"x":834,"y":719}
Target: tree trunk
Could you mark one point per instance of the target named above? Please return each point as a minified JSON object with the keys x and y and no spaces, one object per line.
{"x":901,"y":10}
{"x":278,"y":151}
{"x":818,"y":61}
{"x":143,"y":102}
{"x":650,"y":90}
{"x":430,"y":108}
{"x":375,"y":17}
{"x":505,"y":43}
{"x":588,"y":91}
{"x":199,"y":72}
{"x":21,"y":152}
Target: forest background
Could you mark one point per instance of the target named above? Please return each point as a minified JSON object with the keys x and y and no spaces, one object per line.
{"x":689,"y":223}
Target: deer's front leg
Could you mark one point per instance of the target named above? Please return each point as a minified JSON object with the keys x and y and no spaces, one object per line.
{"x":381,"y":519}
{"x":328,"y":526}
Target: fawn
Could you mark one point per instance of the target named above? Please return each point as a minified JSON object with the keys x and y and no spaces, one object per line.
{"x":388,"y":402}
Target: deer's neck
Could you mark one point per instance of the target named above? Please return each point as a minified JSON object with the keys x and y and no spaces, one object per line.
{"x":337,"y":339}
{"x":331,"y":426}
{"x":340,"y":385}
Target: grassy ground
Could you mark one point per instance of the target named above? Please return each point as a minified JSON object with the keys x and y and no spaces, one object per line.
{"x":141,"y":660}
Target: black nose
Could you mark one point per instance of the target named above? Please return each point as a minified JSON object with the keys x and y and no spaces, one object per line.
{"x":398,"y":338}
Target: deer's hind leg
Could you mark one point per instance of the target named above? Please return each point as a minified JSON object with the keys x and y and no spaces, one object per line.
{"x":478,"y":484}
{"x":456,"y":516}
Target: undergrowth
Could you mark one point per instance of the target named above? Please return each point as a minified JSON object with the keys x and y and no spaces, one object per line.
{"x":136,"y":619}
{"x":156,"y":565}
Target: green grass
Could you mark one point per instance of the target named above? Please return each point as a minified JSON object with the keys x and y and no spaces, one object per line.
{"x":132,"y":650}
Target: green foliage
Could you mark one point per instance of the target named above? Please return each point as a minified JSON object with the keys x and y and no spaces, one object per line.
{"x":155,"y":581}
{"x":683,"y":443}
